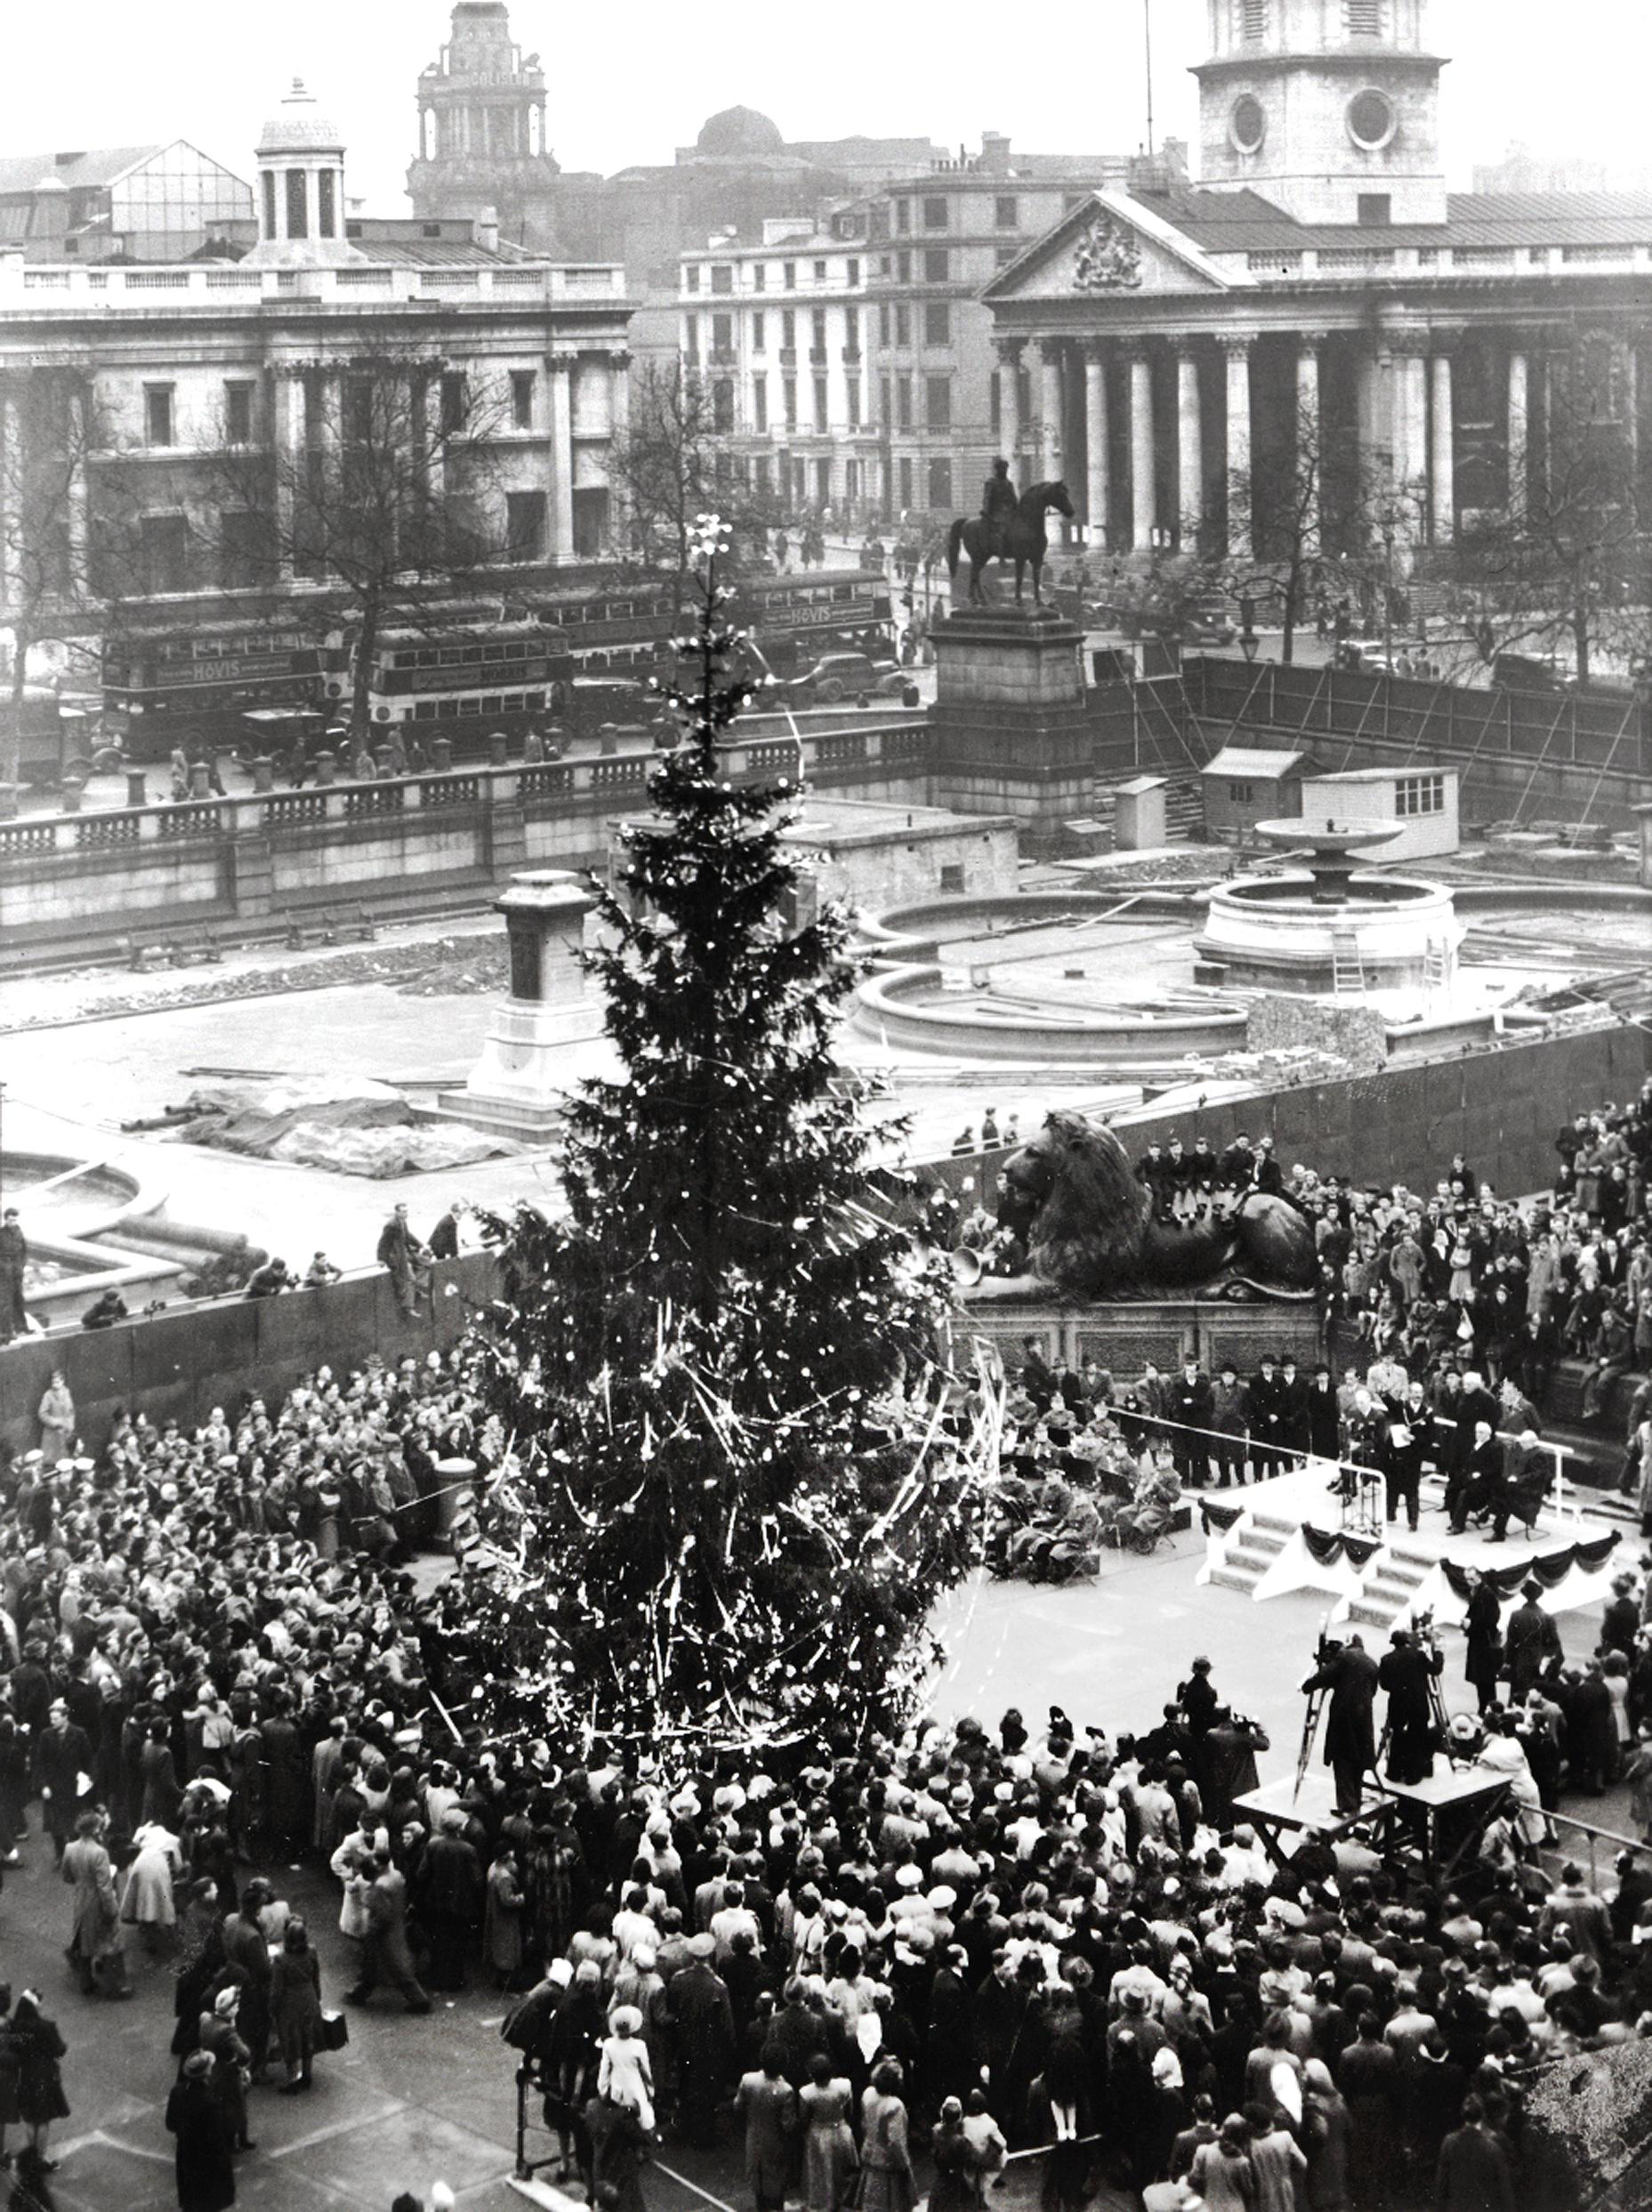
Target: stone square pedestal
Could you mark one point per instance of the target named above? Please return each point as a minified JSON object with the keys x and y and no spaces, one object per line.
{"x":1012,"y":733}
{"x":516,"y":1084}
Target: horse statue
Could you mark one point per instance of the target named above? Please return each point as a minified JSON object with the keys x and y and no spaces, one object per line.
{"x":1024,"y":539}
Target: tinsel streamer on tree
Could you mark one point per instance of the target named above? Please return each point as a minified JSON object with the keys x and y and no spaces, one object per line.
{"x":732,"y":1488}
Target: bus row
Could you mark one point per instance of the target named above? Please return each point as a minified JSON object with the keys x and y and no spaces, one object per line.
{"x":470,"y":667}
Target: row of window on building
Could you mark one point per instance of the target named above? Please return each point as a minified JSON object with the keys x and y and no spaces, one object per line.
{"x":362,"y":397}
{"x":896,"y":326}
{"x":824,"y":480}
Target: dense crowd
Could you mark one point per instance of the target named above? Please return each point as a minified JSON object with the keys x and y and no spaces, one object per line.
{"x":1463,"y":1304}
{"x":955,"y":1947}
{"x":868,"y":1956}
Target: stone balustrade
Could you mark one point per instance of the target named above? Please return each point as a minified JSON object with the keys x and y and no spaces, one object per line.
{"x":411,"y":843}
{"x":101,"y":292}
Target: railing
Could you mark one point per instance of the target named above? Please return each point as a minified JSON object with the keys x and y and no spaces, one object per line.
{"x":902,"y":738}
{"x":1588,"y":1846}
{"x":363,"y":799}
{"x":436,"y":791}
{"x":110,"y":291}
{"x":191,"y":817}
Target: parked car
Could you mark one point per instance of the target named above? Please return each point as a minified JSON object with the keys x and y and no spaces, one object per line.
{"x":1532,"y":672}
{"x":1207,"y":622}
{"x":838,"y":677}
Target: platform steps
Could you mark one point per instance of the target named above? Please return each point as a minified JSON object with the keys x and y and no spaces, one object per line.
{"x":1391,"y":1586}
{"x":1250,"y":1551}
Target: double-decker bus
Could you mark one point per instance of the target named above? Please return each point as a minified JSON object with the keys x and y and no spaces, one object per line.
{"x":793,"y":619}
{"x":463,"y":682}
{"x":170,"y":687}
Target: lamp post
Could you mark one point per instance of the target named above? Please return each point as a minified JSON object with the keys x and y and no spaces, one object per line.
{"x":1248,"y":642}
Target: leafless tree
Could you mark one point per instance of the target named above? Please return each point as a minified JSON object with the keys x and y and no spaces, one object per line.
{"x":381,"y":498}
{"x":44,"y":507}
{"x":1563,"y":565}
{"x":672,"y":464}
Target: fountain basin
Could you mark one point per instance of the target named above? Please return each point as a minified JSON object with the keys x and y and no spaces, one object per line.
{"x":1281,"y":932}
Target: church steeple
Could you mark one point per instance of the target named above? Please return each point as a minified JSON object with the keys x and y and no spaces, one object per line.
{"x":481,"y":102}
{"x":1327,"y":108}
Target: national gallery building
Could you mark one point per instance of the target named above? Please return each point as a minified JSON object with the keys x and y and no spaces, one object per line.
{"x":1159,"y":346}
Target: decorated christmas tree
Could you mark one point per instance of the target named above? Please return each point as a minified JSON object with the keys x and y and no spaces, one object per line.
{"x":730,"y":1487}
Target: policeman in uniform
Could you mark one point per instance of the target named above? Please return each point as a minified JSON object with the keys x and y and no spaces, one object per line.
{"x":999,"y":501}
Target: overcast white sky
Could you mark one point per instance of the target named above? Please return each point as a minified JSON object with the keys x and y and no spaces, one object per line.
{"x":1567,"y":75}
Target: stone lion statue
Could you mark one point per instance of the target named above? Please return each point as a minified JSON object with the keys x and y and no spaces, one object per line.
{"x":1072,"y":1201}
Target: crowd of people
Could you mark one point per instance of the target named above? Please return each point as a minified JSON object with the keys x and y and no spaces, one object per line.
{"x":868,"y":1957}
{"x":863,"y":1955}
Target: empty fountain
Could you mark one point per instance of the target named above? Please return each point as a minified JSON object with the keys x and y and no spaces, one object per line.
{"x":1331,"y":925}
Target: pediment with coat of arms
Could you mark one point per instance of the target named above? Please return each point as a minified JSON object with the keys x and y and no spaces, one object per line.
{"x":1107,"y":258}
{"x":1101,"y":252}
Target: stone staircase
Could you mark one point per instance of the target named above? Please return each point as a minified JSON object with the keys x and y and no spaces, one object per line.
{"x":1250,"y":1551}
{"x":1390,"y":1586}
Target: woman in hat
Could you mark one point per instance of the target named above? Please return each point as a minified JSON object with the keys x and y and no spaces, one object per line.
{"x":231,"y":2061}
{"x":56,"y":1414}
{"x":886,"y":2183}
{"x":147,"y":1900}
{"x":1222,"y":2171}
{"x":203,"y":2157}
{"x":295,"y":2005}
{"x":831,"y":2162}
{"x":36,"y":2049}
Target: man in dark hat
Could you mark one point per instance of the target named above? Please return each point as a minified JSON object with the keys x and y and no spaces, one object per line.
{"x":1406,"y":1673}
{"x":1190,"y":1405}
{"x":1265,"y":1397}
{"x":1349,"y":1673}
{"x":1230,"y":1417}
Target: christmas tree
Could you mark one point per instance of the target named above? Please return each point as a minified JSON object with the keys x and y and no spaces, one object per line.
{"x":729,"y":1491}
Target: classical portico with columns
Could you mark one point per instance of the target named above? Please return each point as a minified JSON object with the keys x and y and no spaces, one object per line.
{"x":1174,"y":353}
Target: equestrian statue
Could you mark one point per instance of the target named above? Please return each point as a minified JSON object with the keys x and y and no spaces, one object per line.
{"x":1008,"y":528}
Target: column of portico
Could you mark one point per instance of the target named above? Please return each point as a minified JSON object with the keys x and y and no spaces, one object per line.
{"x":287,"y":412}
{"x":1442,"y":479}
{"x":1098,"y":477}
{"x":1310,"y":442}
{"x":561,"y":366}
{"x":1143,"y":486}
{"x":1238,"y":351}
{"x":79,"y":485}
{"x":10,"y":480}
{"x":1049,"y":411}
{"x":1190,"y":451}
{"x":1518,"y":437}
{"x":1010,"y":406}
{"x":618,"y":428}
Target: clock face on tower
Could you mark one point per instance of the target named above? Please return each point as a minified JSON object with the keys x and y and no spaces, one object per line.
{"x":1370,"y":120}
{"x":1247,"y":125}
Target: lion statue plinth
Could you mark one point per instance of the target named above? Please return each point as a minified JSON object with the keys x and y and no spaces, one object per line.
{"x":1073,"y":1202}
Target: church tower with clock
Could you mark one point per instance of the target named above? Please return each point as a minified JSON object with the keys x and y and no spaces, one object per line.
{"x":1327,"y":108}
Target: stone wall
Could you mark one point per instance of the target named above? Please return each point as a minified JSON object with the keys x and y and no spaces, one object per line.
{"x":1501,"y":1110}
{"x":247,"y":865}
{"x":179,"y":1364}
{"x":1122,"y":1338}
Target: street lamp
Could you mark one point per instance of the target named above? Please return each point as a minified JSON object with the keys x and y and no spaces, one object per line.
{"x":1248,"y":642}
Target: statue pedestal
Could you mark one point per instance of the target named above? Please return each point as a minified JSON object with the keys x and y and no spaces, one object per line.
{"x":516,"y":1084}
{"x":1012,"y":736}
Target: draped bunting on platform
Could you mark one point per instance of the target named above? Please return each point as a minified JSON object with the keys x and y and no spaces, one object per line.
{"x":1219,"y":1517}
{"x":1551,"y":1570}
{"x":1325,"y":1547}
